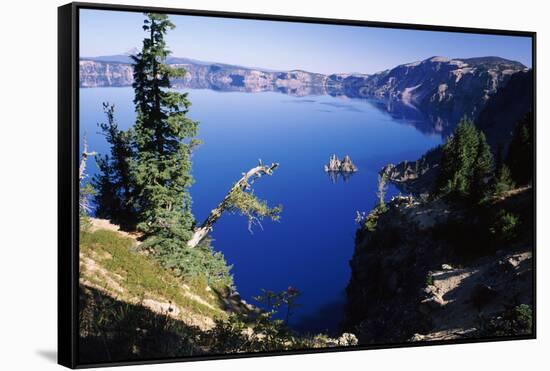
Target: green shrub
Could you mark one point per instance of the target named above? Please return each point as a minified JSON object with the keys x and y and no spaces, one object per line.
{"x":371,"y":221}
{"x":503,"y":181}
{"x":429,"y":280}
{"x":263,"y":333}
{"x":513,"y":322}
{"x":505,"y":226}
{"x":196,"y":264}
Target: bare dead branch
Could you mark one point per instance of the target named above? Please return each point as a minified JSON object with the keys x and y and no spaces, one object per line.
{"x":243,"y":183}
{"x":84,"y":158}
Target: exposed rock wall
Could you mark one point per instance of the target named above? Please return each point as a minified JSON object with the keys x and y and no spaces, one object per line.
{"x":429,"y":272}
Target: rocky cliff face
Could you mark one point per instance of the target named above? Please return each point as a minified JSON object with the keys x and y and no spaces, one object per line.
{"x":96,"y":74}
{"x":437,"y":89}
{"x":497,"y":119}
{"x":202,"y":75}
{"x":430,"y":271}
{"x":509,"y":105}
{"x":443,"y":89}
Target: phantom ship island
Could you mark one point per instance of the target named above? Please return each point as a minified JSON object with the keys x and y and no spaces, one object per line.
{"x":336,"y":167}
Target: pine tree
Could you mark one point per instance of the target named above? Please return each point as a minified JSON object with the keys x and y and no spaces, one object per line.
{"x":114,"y":197}
{"x":482,"y":171}
{"x":520,"y":152}
{"x":144,"y":180}
{"x":163,"y":142}
{"x":106,"y":195}
{"x":458,"y":159}
{"x":503,"y":178}
{"x":466,"y":164}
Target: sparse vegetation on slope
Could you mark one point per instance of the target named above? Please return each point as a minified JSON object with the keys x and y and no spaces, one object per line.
{"x":131,"y":307}
{"x":439,"y":270}
{"x":110,"y":262}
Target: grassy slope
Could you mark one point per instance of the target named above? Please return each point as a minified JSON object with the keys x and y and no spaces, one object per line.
{"x":132,"y":308}
{"x":109,"y":263}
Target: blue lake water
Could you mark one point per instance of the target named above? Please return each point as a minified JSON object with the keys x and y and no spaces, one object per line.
{"x":310,"y":247}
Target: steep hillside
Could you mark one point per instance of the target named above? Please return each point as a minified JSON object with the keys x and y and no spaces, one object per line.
{"x":443,"y":89}
{"x":498,"y":118}
{"x":434,"y":270}
{"x":508,"y":105}
{"x":132,"y":308}
{"x":110,"y":263}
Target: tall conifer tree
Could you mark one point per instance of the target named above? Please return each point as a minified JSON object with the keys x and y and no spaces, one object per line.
{"x":459,"y":155}
{"x":163,"y":141}
{"x":466,"y":164}
{"x":482,"y":171}
{"x":503,"y":178}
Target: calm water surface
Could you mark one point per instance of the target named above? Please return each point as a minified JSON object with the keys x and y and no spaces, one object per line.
{"x":310,"y":247}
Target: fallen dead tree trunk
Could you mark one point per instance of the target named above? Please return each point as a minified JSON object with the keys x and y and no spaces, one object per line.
{"x":228,"y":203}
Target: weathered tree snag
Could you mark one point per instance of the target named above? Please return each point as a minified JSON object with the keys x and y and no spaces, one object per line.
{"x":242,"y":184}
{"x":84,"y":158}
{"x":83,"y":197}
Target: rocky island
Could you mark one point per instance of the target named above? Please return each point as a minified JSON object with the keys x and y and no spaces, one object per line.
{"x":337,"y":165}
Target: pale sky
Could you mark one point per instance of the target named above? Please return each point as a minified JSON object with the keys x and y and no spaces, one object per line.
{"x":289,"y":45}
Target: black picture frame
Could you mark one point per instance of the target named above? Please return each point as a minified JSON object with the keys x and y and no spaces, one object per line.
{"x":68,"y":186}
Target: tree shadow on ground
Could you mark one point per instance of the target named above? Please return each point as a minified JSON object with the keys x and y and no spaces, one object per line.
{"x":112,"y":330}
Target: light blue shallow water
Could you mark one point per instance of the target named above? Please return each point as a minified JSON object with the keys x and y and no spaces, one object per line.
{"x":310,"y":247}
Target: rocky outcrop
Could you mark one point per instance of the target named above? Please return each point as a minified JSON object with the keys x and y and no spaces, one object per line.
{"x":388,"y":271}
{"x":442,"y":89}
{"x":430,"y":271}
{"x":416,"y":177}
{"x":337,"y":165}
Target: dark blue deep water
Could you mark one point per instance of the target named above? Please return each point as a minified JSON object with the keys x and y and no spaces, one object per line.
{"x":310,"y":247}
